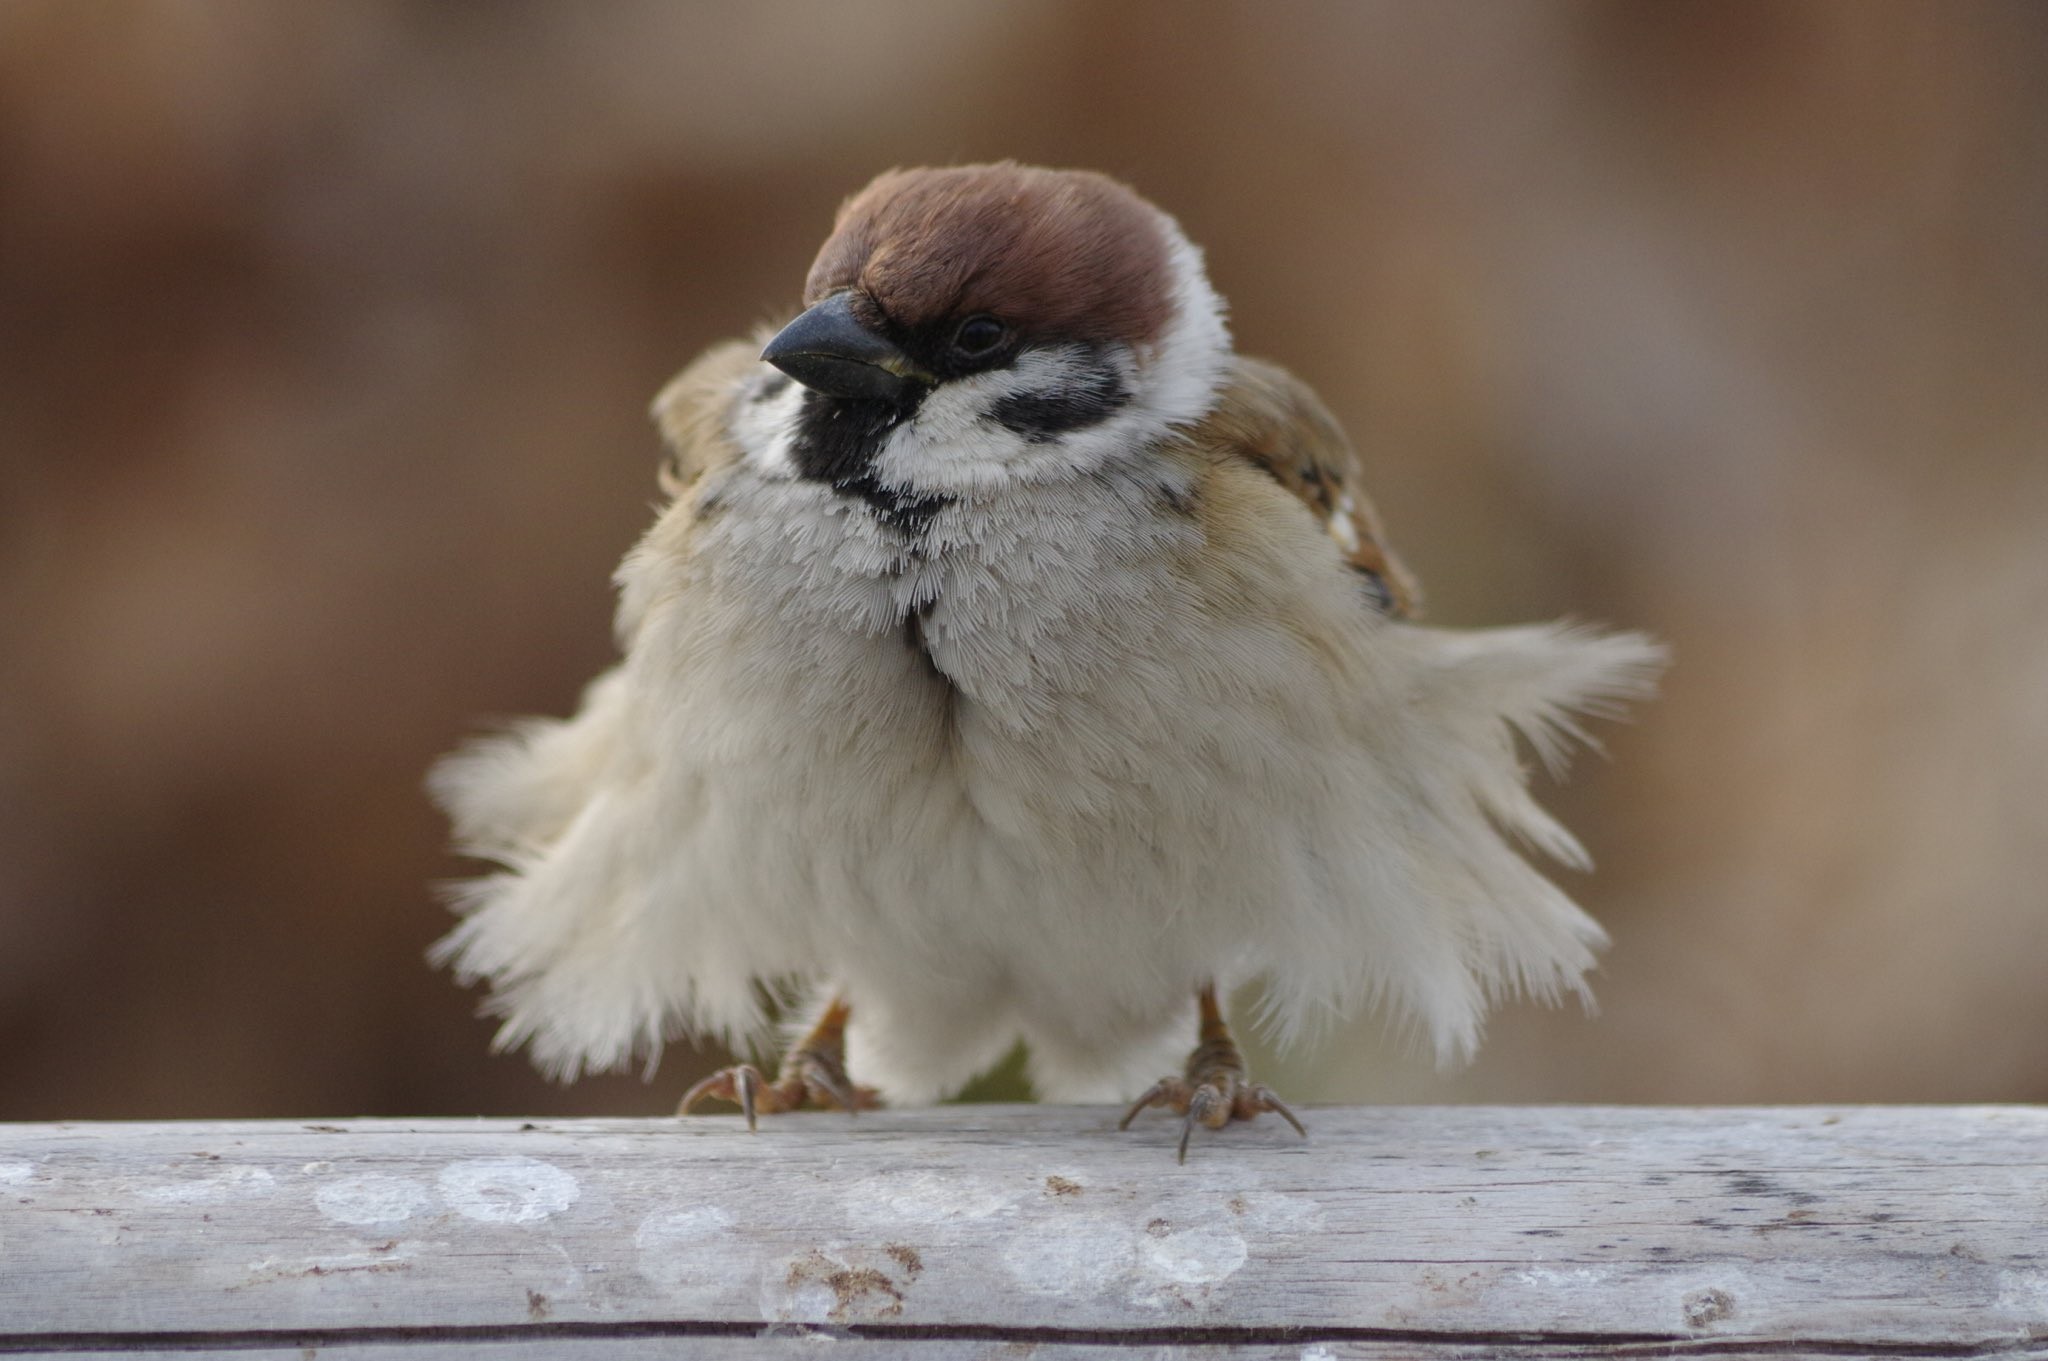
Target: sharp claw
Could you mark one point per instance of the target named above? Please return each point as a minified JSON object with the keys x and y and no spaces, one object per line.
{"x":747,"y":1082}
{"x":703,"y":1088}
{"x":1152,"y":1097}
{"x":1203,"y":1105}
{"x":1270,"y":1102}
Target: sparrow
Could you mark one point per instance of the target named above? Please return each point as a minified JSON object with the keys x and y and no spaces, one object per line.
{"x":1013,"y":660}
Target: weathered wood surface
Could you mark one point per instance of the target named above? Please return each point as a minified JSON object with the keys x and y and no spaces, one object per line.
{"x":974,"y":1231}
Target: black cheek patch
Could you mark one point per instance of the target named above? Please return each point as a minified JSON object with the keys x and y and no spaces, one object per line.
{"x":1089,"y":398}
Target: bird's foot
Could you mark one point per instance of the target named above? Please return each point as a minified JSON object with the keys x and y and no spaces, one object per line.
{"x":1215,"y":1088}
{"x":813,"y":1070}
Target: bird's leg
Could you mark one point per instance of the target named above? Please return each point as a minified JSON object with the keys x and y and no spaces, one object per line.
{"x":1215,"y":1089}
{"x":814,"y":1068}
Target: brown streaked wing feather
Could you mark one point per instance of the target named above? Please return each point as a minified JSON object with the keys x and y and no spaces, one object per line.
{"x":691,"y":412}
{"x":1272,"y":419}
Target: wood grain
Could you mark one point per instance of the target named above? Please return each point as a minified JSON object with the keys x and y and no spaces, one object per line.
{"x":966,"y":1231}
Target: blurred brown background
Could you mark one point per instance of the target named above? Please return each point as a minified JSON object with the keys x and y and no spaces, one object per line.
{"x":327,"y":330}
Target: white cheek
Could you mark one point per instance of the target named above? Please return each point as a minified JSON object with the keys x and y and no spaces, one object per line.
{"x":765,"y":427}
{"x":956,"y":445}
{"x":1187,"y":365}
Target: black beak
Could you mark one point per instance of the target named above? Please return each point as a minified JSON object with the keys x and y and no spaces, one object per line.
{"x":829,"y":350}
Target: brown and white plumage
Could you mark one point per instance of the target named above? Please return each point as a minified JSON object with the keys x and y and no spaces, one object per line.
{"x":1268,"y":416}
{"x":1020,"y":688}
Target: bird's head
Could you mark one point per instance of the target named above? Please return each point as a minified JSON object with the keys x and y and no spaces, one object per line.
{"x":974,"y":327}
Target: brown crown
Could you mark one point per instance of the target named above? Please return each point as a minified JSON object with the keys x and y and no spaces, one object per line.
{"x":1065,"y":253}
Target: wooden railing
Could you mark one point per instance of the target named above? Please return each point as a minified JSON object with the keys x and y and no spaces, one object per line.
{"x":1007,"y":1230}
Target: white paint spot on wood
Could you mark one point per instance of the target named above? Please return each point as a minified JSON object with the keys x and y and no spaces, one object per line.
{"x":1081,"y":1256}
{"x":233,"y":1184}
{"x":15,"y":1174}
{"x":2024,"y":1293}
{"x":1197,"y":1256}
{"x":1705,"y":1308}
{"x":789,"y":1295}
{"x":1277,"y":1212}
{"x":507,"y":1190}
{"x":373,"y":1199}
{"x":692,"y":1246}
{"x":1141,"y":1258}
{"x":838,"y":1282}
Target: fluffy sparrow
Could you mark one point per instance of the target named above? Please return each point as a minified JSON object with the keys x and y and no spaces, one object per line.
{"x":1012,"y":659}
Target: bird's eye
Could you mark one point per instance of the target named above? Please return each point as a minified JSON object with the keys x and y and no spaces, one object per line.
{"x":978,"y":337}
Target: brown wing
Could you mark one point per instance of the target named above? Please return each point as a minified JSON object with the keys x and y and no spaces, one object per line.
{"x":692,"y":411}
{"x":1272,"y":419}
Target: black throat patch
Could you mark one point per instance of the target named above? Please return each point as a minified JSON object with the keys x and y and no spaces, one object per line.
{"x":836,"y":441}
